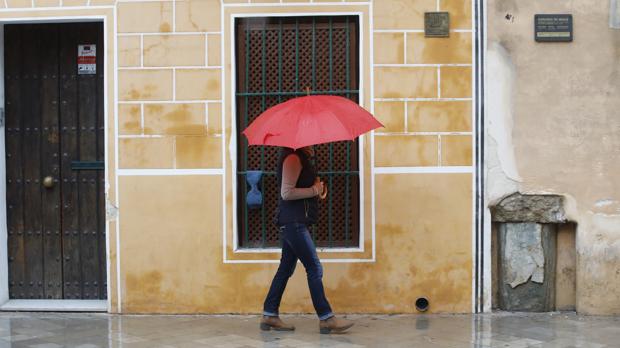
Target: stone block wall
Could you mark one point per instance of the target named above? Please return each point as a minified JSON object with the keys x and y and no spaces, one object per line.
{"x":170,"y":217}
{"x":169,"y":84}
{"x":423,"y":88}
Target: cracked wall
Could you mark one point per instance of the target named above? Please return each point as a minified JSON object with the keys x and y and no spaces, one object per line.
{"x":552,"y":127}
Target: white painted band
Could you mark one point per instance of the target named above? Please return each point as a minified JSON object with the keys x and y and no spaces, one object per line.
{"x":423,"y":170}
{"x":386,"y":65}
{"x":279,"y":250}
{"x":423,"y":99}
{"x":293,"y":4}
{"x":43,"y":9}
{"x":381,"y":134}
{"x":417,"y":31}
{"x":176,"y":67}
{"x":322,"y":261}
{"x":169,"y":172}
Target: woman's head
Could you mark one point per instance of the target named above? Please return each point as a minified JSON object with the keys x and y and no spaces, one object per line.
{"x":308,"y":150}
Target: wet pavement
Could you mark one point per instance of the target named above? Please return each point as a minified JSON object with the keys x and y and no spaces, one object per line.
{"x":52,"y":330}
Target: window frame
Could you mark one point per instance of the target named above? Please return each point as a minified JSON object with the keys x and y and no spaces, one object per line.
{"x":233,"y":150}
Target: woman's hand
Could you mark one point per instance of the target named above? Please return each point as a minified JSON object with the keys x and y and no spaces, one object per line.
{"x":320,"y":188}
{"x":324,"y":194}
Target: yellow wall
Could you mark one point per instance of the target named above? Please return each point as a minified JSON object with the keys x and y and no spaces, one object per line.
{"x":175,"y":207}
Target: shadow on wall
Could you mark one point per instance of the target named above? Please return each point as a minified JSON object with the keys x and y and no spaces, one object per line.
{"x":533,"y":254}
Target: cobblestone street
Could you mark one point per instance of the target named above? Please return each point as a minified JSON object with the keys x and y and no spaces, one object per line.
{"x":51,"y":330}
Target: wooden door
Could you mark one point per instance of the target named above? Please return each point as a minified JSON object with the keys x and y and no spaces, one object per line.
{"x":54,"y":162}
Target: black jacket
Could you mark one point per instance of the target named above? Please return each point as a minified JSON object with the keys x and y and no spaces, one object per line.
{"x":306,"y":210}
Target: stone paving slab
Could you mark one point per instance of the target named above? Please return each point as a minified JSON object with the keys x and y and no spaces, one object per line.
{"x":514,"y":330}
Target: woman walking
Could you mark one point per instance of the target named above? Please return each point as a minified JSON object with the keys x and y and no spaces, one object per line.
{"x":297,"y":210}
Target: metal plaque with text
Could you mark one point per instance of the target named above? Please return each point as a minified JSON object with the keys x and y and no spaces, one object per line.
{"x":436,"y":24}
{"x":553,"y":27}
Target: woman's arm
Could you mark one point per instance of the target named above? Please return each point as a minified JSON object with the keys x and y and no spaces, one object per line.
{"x":291,"y":168}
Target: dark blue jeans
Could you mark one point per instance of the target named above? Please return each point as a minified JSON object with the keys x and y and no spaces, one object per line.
{"x":297,"y":244}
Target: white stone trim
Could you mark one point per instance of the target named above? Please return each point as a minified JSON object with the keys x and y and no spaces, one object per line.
{"x":169,"y":172}
{"x":102,"y":305}
{"x":424,"y":170}
{"x":232,"y":144}
{"x":55,"y":305}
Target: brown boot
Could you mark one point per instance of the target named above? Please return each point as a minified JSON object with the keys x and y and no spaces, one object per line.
{"x":334,"y":325}
{"x":267,"y":323}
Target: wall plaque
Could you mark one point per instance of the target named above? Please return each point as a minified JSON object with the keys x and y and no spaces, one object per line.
{"x":553,"y":28}
{"x":436,"y":24}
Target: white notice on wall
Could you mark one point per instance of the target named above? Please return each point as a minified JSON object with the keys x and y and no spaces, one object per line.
{"x":87,"y":59}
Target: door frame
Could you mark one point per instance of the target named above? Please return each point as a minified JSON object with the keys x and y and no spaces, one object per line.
{"x":105,"y":15}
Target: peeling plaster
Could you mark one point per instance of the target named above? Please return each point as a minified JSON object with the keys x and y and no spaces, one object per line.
{"x":503,"y":176}
{"x":565,"y":130}
{"x":604,"y":202}
{"x":232,"y":148}
{"x":111,"y":211}
{"x":571,"y":210}
{"x":606,"y":206}
{"x":524,"y":258}
{"x":598,"y":252}
{"x":614,"y":14}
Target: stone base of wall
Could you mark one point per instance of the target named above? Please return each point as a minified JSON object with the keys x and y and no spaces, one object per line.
{"x":534,"y":255}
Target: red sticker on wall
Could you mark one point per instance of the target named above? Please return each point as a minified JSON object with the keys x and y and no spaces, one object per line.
{"x":87,"y":59}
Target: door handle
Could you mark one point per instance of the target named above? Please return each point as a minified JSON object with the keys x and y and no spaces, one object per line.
{"x":48,"y":182}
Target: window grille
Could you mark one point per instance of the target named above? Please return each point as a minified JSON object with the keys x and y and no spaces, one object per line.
{"x":277,"y":59}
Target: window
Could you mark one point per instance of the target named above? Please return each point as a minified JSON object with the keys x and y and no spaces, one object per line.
{"x":277,"y":58}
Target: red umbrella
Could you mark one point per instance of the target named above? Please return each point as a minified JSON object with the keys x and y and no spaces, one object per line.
{"x":310,"y":120}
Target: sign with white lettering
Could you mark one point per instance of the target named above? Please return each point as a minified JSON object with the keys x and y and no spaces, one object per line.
{"x":553,"y":27}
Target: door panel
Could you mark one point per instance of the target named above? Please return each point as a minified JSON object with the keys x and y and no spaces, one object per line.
{"x":14,"y":168}
{"x":100,"y":127}
{"x":52,"y":242}
{"x":87,"y":183}
{"x":68,"y":148}
{"x":54,"y":119}
{"x":31,"y":161}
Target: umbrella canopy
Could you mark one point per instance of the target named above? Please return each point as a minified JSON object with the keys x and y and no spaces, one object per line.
{"x":310,"y":120}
